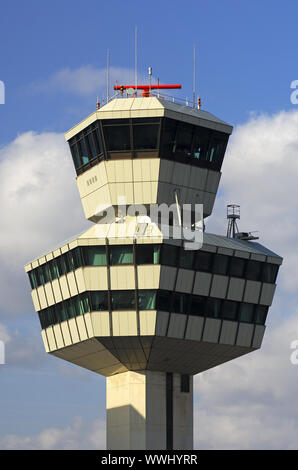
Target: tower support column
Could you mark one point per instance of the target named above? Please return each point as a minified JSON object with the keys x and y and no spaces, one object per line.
{"x":149,"y":410}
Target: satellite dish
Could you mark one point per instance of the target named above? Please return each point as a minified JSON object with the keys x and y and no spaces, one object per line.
{"x":130,"y":91}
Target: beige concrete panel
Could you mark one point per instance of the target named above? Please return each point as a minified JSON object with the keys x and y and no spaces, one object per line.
{"x":184,"y":280}
{"x":148,"y":276}
{"x":236,"y":288}
{"x":219,"y":286}
{"x":42,"y":260}
{"x":274,"y":260}
{"x":56,"y":291}
{"x":73,"y":244}
{"x":58,"y":336}
{"x":208,"y":202}
{"x":51,"y":338}
{"x":209,"y":248}
{"x":122,"y":277}
{"x":49,"y":256}
{"x":267,"y":293}
{"x":228,"y":332}
{"x":225,"y":251}
{"x":124,"y":323}
{"x":137,"y":169}
{"x":241,"y":254}
{"x":211,"y":330}
{"x":166,"y":169}
{"x":138,"y":193}
{"x":66,"y":333}
{"x":88,"y":323}
{"x":64,"y":287}
{"x":258,"y":257}
{"x":73,"y":330}
{"x":42,"y":297}
{"x":72,"y":283}
{"x":45,"y":340}
{"x":181,"y":174}
{"x":128,"y":193}
{"x":28,"y":267}
{"x":111,"y":171}
{"x":79,"y":275}
{"x":167,"y":277}
{"x":202,"y":283}
{"x":258,"y":336}
{"x":198,"y":178}
{"x":147,"y":322}
{"x":49,"y":293}
{"x":96,"y":277}
{"x":177,"y":325}
{"x":252,"y":292}
{"x":194,"y":328}
{"x":154,"y":169}
{"x":100,"y":323}
{"x":35,"y":300}
{"x":82,"y":327}
{"x":244,"y":336}
{"x":64,"y":248}
{"x":161,"y":323}
{"x":34,"y":264}
{"x":212,"y":182}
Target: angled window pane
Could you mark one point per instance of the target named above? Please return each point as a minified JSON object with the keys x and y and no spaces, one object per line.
{"x":32,"y":279}
{"x":179,"y":303}
{"x":40,"y":276}
{"x":220,"y":264}
{"x":145,"y":136}
{"x":236,"y":267}
{"x":169,"y":255}
{"x":75,"y":155}
{"x":197,"y":305}
{"x":117,"y":137}
{"x":186,"y":258}
{"x":184,"y":139}
{"x":213,"y":308}
{"x":246,"y":312}
{"x":97,"y":140}
{"x":91,"y":147}
{"x":99,"y":301}
{"x":261,"y":314}
{"x":123,"y":300}
{"x":229,"y":310}
{"x":83,"y":151}
{"x":54,"y":269}
{"x":269,"y":272}
{"x":201,"y":143}
{"x":95,"y":255}
{"x":168,"y":143}
{"x":253,"y":270}
{"x":146,"y":299}
{"x":163,"y":300}
{"x":71,"y":308}
{"x":121,"y":254}
{"x":203,"y":261}
{"x":147,"y":254}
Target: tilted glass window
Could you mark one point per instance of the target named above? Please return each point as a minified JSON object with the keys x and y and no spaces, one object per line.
{"x":183,"y":142}
{"x":229,"y":310}
{"x":237,"y":266}
{"x":201,"y":143}
{"x":169,"y":255}
{"x":95,"y":255}
{"x":186,"y":258}
{"x":179,"y":303}
{"x":269,"y":272}
{"x":169,"y":137}
{"x":33,"y":280}
{"x":163,"y":300}
{"x":117,"y":134}
{"x":99,"y":301}
{"x":123,"y":300}
{"x":121,"y":254}
{"x":147,"y":254}
{"x":213,"y":308}
{"x":83,"y":151}
{"x":147,"y":299}
{"x":203,"y":261}
{"x":197,"y":305}
{"x":253,"y":270}
{"x":220,"y":264}
{"x":145,"y":136}
{"x":260,"y":314}
{"x":246,"y":312}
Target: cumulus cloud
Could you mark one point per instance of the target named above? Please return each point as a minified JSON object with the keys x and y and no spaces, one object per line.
{"x":41,"y":208}
{"x":85,"y":80}
{"x":78,"y":435}
{"x":260,"y":173}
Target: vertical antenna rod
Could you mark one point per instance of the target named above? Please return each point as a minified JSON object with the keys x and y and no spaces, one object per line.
{"x":136,"y":58}
{"x":194,"y":76}
{"x":108,"y":75}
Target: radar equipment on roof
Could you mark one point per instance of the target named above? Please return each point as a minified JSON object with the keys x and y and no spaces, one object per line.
{"x":233,"y":214}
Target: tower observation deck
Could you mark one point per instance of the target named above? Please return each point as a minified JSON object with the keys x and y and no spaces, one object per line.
{"x":128,"y":302}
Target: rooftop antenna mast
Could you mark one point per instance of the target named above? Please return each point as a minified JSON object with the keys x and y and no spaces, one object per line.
{"x":233,"y":214}
{"x":194,"y":76}
{"x":108,"y":75}
{"x":136,"y":58}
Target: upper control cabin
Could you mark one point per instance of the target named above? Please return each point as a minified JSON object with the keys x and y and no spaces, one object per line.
{"x":148,"y":140}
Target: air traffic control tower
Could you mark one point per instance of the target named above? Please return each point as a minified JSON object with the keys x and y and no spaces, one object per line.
{"x":134,"y":305}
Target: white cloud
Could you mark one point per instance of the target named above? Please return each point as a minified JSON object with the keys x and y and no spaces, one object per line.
{"x":86,"y":80}
{"x":260,"y":173}
{"x":78,"y":435}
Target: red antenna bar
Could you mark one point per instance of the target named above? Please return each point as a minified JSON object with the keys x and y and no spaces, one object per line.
{"x":146,"y":87}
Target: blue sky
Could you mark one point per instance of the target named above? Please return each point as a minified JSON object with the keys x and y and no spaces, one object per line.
{"x":52,"y":61}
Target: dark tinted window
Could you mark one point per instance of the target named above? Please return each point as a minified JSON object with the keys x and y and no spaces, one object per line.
{"x":99,"y":301}
{"x":269,"y":272}
{"x":179,"y":303}
{"x":123,"y":300}
{"x":147,"y":254}
{"x":117,"y":137}
{"x":213,"y":308}
{"x":229,"y":310}
{"x":147,"y":299}
{"x":145,"y":136}
{"x":95,"y":255}
{"x":260,"y":314}
{"x":203,"y":261}
{"x":186,"y":258}
{"x":121,"y":254}
{"x":169,"y":255}
{"x":220,"y":264}
{"x":237,"y":267}
{"x":201,"y":143}
{"x":163,"y":300}
{"x":246,"y":312}
{"x":183,"y":141}
{"x":253,"y":270}
{"x":197,"y":305}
